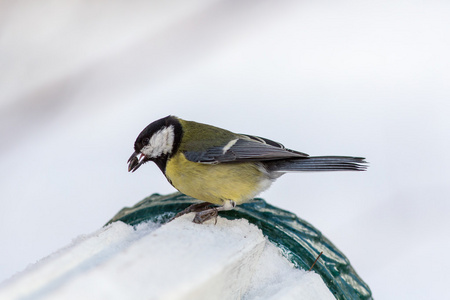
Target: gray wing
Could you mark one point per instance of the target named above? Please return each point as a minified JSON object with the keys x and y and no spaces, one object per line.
{"x":245,"y":148}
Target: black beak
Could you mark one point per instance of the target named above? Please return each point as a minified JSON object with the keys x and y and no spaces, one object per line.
{"x":134,"y":162}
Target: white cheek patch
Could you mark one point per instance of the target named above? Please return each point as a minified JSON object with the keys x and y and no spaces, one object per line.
{"x":160,"y":143}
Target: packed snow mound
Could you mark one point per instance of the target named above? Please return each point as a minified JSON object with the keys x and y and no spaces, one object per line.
{"x":178,"y":260}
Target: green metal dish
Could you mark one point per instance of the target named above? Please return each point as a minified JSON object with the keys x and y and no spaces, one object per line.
{"x":300,"y":242}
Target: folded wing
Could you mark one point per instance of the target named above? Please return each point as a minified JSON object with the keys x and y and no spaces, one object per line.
{"x":244,"y":148}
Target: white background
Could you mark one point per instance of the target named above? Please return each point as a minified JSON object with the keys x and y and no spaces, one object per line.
{"x":80,"y":79}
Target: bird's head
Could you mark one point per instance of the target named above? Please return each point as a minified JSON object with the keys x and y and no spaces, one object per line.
{"x":156,"y":142}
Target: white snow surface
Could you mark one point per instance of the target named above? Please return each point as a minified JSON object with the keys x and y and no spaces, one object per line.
{"x":179,"y":260}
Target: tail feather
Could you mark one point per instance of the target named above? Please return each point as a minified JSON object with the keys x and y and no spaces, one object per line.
{"x":319,"y":163}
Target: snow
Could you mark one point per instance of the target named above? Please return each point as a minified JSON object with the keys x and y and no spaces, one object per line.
{"x":179,"y":260}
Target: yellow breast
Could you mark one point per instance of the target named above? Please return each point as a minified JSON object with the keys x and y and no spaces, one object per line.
{"x":217,"y":182}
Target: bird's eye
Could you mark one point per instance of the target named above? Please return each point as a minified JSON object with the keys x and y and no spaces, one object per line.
{"x":145,"y":141}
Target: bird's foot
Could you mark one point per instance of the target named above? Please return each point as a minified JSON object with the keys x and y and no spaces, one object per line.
{"x":205,"y":215}
{"x":204,"y":212}
{"x":197,"y":207}
{"x":209,"y":213}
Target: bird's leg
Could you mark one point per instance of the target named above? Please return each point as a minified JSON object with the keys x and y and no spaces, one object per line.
{"x":192,"y":208}
{"x":210,"y":213}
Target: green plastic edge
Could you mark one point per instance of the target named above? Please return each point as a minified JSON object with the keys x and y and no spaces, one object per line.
{"x":299,"y":241}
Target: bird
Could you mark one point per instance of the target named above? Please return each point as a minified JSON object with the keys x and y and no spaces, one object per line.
{"x":220,"y":167}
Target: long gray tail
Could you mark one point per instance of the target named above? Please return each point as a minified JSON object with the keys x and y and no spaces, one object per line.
{"x":318,"y":163}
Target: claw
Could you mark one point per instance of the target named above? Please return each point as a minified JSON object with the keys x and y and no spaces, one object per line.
{"x":197,"y":207}
{"x":204,"y":212}
{"x":206,"y":215}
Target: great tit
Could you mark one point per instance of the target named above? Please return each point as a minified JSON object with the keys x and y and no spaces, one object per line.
{"x":221,"y":167}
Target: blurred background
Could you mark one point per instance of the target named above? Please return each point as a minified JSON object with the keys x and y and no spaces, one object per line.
{"x":80,"y":79}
